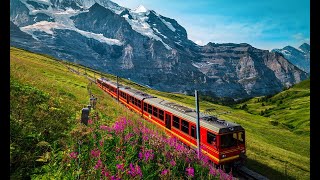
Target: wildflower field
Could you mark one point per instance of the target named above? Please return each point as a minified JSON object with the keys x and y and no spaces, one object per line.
{"x":131,"y":149}
{"x":47,"y":140}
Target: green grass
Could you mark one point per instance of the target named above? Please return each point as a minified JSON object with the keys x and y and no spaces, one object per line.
{"x":276,"y":151}
{"x":290,"y":108}
{"x":46,"y":96}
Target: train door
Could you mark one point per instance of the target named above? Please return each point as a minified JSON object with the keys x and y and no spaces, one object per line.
{"x":168,"y":121}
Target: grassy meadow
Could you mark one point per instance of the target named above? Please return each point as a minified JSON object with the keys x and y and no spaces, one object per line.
{"x":277,"y":127}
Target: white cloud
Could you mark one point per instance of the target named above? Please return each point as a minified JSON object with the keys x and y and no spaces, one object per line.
{"x":199,"y":42}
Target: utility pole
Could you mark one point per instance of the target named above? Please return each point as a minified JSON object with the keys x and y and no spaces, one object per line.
{"x":198,"y":122}
{"x":117,"y":88}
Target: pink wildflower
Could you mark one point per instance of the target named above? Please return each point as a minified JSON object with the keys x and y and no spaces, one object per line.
{"x":128,"y":136}
{"x":98,"y":165}
{"x":140,"y":155}
{"x":164,"y":172}
{"x":101,"y":142}
{"x":173,"y":163}
{"x":212,"y":171}
{"x":120,"y":167}
{"x":104,"y":172}
{"x":103,"y":127}
{"x":190,"y":171}
{"x":148,"y":155}
{"x":115,"y":178}
{"x":134,"y":170}
{"x":95,"y":153}
{"x":73,"y":155}
{"x":90,"y":121}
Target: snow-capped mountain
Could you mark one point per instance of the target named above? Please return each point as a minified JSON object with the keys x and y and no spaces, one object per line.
{"x":300,"y":57}
{"x":146,"y":47}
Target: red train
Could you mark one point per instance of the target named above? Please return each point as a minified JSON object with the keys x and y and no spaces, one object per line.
{"x":222,"y":141}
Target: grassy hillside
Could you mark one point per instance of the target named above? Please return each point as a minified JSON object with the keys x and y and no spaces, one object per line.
{"x":289,"y":109}
{"x":275,"y":151}
{"x":45,"y":105}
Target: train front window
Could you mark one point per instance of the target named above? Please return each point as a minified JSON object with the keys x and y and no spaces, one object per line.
{"x":228,"y":140}
{"x":241,"y":137}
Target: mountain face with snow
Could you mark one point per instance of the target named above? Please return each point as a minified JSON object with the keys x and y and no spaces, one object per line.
{"x":300,"y":57}
{"x":146,"y":47}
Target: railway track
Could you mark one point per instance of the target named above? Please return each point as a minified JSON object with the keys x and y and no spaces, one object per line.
{"x":245,"y":173}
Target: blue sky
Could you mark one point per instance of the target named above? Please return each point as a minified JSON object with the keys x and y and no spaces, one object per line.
{"x":265,"y":24}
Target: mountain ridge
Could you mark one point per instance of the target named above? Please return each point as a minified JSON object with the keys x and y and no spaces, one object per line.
{"x":300,"y":56}
{"x":148,"y":48}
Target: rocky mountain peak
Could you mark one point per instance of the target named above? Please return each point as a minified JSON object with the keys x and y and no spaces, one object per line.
{"x":305,"y":47}
{"x":140,"y":9}
{"x":299,"y":57}
{"x":146,"y":47}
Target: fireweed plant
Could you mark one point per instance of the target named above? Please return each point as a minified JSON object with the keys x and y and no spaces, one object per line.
{"x":130,"y":150}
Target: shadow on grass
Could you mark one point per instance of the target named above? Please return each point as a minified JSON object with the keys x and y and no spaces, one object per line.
{"x":267,"y":171}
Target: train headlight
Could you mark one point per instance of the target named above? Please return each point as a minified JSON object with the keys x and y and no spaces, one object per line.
{"x":223,"y":156}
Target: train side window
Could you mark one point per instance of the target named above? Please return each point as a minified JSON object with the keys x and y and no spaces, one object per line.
{"x":149,"y":109}
{"x":211,"y":138}
{"x":176,"y":122}
{"x":193,"y":132}
{"x":185,"y":126}
{"x":161,"y":114}
{"x":155,"y":111}
{"x":145,"y":106}
{"x":139,"y":103}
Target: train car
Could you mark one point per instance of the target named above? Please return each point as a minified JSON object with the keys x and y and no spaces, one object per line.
{"x":108,"y":86}
{"x":222,"y":141}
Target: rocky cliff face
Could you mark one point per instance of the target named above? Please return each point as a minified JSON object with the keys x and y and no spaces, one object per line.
{"x":146,"y":47}
{"x":299,"y":57}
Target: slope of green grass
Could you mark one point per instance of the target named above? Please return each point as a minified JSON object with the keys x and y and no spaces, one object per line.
{"x":45,"y":105}
{"x":275,"y":151}
{"x":290,"y":108}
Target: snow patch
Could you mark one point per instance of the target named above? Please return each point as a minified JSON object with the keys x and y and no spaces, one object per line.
{"x":168,"y":24}
{"x":44,"y":26}
{"x":99,"y":37}
{"x":63,"y":21}
{"x":139,"y":24}
{"x":155,"y":29}
{"x":46,"y":2}
{"x":140,"y":9}
{"x":47,"y":27}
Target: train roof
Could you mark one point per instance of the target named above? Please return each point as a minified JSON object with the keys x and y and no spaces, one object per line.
{"x":135,"y":93}
{"x":107,"y":81}
{"x":207,"y":121}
